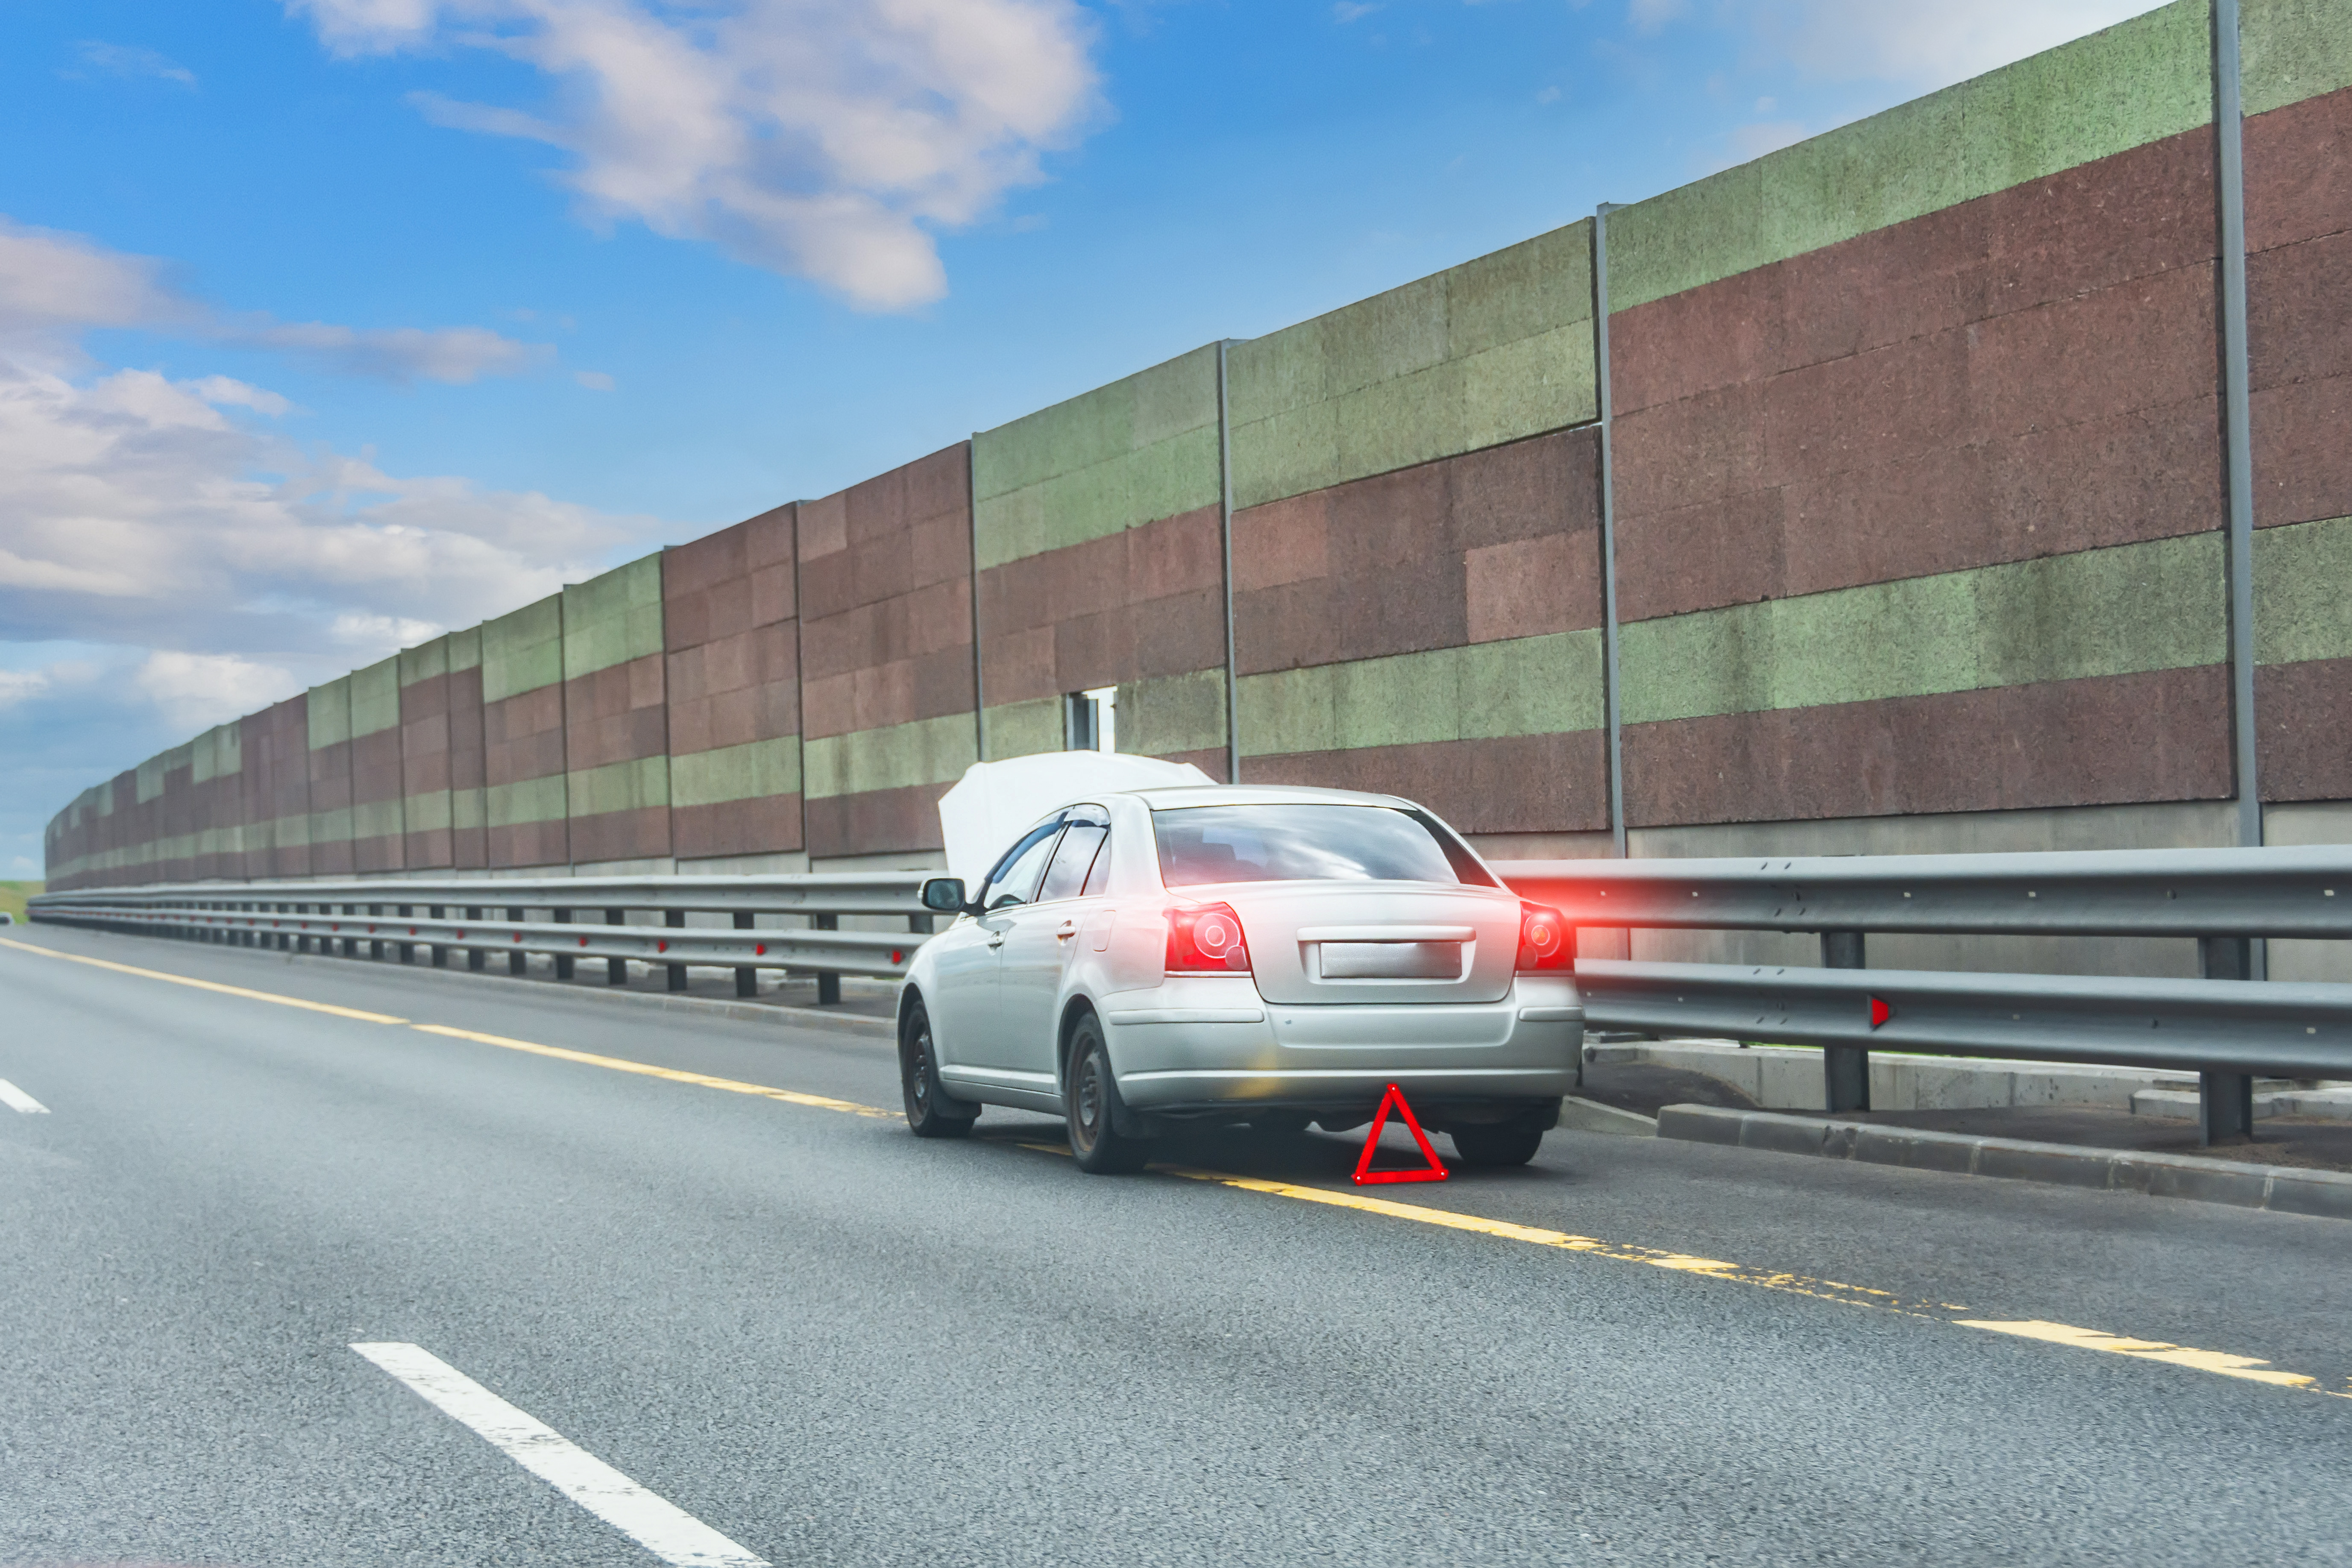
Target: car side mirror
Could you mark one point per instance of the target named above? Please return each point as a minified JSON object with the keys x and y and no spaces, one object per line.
{"x":944,"y":895}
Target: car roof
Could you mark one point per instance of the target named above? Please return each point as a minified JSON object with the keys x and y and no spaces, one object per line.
{"x":1174,"y":797}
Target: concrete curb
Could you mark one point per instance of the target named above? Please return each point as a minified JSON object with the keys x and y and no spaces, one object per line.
{"x":1581,"y":1115}
{"x":2277,"y":1188}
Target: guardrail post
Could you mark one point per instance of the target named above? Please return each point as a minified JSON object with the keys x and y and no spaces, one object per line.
{"x":407,"y":948}
{"x":747,"y":981}
{"x":674,"y":919}
{"x":516,"y":961}
{"x":616,"y":969}
{"x":828,"y":986}
{"x":2225,"y":1101}
{"x":563,"y":961}
{"x":1845,"y":1069}
{"x":475,"y":957}
{"x":440,"y":955}
{"x":351,"y":943}
{"x":375,"y":947}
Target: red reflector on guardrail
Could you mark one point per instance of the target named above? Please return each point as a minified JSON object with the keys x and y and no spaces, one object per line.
{"x":1879,"y":1012}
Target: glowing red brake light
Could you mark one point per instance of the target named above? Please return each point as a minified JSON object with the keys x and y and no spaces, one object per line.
{"x":1544,"y":939}
{"x":1207,"y":939}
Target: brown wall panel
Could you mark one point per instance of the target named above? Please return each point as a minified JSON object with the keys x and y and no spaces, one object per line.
{"x":639,"y":834}
{"x":376,"y":775}
{"x":424,"y":768}
{"x":1137,"y":605}
{"x":2029,"y":374}
{"x":615,"y":715}
{"x":885,"y":598}
{"x":331,"y":790}
{"x":877,"y":822}
{"x":522,"y":736}
{"x":528,"y":844}
{"x":764,"y":826}
{"x":1497,"y":544}
{"x":1523,"y":784}
{"x":2299,"y":308}
{"x":2162,"y":736}
{"x":735,"y":690}
{"x":2303,"y":739}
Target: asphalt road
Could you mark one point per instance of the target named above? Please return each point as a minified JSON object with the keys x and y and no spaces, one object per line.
{"x":832,"y":1343}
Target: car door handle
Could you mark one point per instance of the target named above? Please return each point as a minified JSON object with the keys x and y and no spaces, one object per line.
{"x":996,"y":940}
{"x":1070,"y":929}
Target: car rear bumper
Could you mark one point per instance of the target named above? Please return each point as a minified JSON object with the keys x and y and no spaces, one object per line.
{"x":1209,"y":1043}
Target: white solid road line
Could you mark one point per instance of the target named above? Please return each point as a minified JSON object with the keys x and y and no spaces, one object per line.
{"x":16,"y":1099}
{"x":661,"y":1527}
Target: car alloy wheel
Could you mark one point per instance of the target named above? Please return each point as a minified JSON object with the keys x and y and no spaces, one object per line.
{"x":1091,"y":1095}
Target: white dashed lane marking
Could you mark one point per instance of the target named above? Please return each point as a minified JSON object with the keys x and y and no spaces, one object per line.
{"x":661,"y":1527}
{"x":16,"y":1099}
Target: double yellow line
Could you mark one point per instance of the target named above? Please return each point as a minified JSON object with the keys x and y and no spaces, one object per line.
{"x":2245,"y":1368}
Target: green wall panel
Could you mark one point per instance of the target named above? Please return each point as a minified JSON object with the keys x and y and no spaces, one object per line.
{"x":329,"y":714}
{"x":375,"y":698}
{"x":523,"y":650}
{"x":1025,"y":728}
{"x":1173,"y":713}
{"x":926,"y":752}
{"x":2301,"y":607}
{"x":1525,"y":685}
{"x":528,"y":801}
{"x":425,"y":660}
{"x":220,"y":751}
{"x":1492,"y":351}
{"x":2124,"y":611}
{"x":614,"y":618}
{"x":2136,"y":82}
{"x":1110,"y":459}
{"x":2294,"y":49}
{"x":758,"y":769}
{"x":620,"y":786}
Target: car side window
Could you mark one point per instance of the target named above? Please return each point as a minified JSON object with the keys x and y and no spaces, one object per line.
{"x":1015,"y":881}
{"x":1080,"y":847}
{"x":1098,"y":875}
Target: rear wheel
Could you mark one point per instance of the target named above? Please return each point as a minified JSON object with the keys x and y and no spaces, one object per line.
{"x":1500,"y":1144}
{"x":930,"y":1111}
{"x":1091,"y":1095}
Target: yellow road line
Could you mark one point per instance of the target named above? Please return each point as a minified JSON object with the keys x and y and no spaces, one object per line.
{"x":364,"y":1017}
{"x":2247,"y":1368}
{"x":621,"y":1063}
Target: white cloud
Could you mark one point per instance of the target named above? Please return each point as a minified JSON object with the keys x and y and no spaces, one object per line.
{"x":1649,"y":16}
{"x":824,"y":139}
{"x":15,"y":685}
{"x":134,"y":510}
{"x":198,"y":690}
{"x":53,"y":287}
{"x":1752,"y":142}
{"x":126,"y":60}
{"x":594,"y":380}
{"x":1346,"y":11}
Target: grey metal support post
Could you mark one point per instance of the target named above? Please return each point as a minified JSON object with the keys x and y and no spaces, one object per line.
{"x":475,"y":957}
{"x":828,"y":986}
{"x":2225,"y":1101}
{"x":516,"y":961}
{"x":2237,"y":416}
{"x":440,"y":954}
{"x":407,"y":948}
{"x":376,"y":944}
{"x":616,"y":969}
{"x":1845,"y":1069}
{"x":747,"y":981}
{"x":351,"y":943}
{"x":563,"y":961}
{"x":1225,"y":542}
{"x":675,"y":918}
{"x":1611,"y":714}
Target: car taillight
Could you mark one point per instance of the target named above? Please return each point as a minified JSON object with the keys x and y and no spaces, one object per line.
{"x":1205,"y":939}
{"x":1544,"y":939}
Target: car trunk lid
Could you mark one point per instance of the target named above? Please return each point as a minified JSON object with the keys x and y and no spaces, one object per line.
{"x":1361,"y":942}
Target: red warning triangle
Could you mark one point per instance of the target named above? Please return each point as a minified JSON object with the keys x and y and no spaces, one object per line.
{"x":1366,"y":1175}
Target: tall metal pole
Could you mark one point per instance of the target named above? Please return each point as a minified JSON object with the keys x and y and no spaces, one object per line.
{"x":2236,"y":413}
{"x":1225,"y":541}
{"x":1609,"y":688}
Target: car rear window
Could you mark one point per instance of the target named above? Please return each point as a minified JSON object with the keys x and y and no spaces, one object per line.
{"x":1201,"y":845}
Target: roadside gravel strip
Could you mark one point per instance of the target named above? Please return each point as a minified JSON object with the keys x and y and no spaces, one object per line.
{"x":2245,"y":1368}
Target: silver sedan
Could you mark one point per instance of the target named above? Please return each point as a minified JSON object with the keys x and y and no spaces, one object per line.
{"x":1145,"y":959}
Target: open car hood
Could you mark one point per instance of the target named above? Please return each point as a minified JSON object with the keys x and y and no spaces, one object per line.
{"x":989,"y":806}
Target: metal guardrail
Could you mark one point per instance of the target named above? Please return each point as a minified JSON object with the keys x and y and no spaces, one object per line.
{"x":2222,"y":1026}
{"x":2266,"y":892}
{"x":481,"y":916}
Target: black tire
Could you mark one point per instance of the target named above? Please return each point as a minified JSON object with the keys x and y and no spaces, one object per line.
{"x":1498,"y":1144}
{"x":930,"y":1112}
{"x":1090,"y":1093}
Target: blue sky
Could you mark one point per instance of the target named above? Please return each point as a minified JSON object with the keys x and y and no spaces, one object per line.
{"x":328,"y":324}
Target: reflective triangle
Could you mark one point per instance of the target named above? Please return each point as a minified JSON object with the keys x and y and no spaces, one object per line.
{"x":1366,"y":1175}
